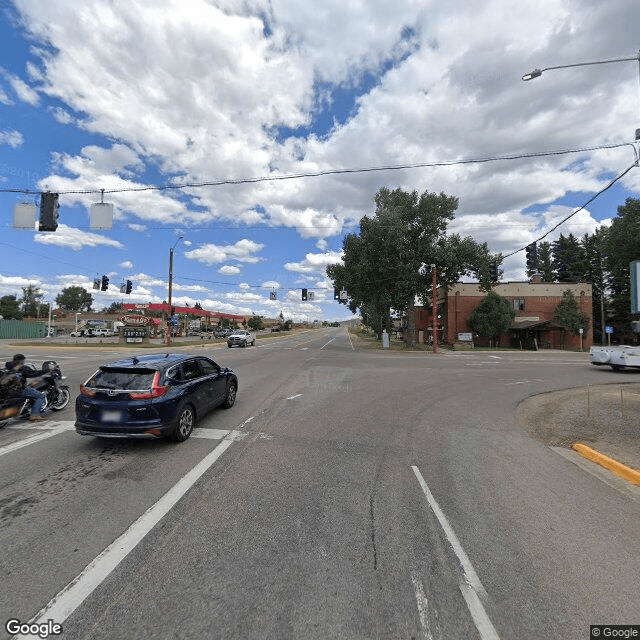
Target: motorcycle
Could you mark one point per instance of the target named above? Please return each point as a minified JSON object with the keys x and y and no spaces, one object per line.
{"x":57,"y":396}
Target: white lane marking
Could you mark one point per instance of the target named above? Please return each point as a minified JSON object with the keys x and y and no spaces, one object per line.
{"x":75,"y":593}
{"x":484,"y":626}
{"x":54,"y":428}
{"x":326,"y":343}
{"x":471,"y":579}
{"x":298,"y":395}
{"x":423,"y":606}
{"x":467,"y":567}
{"x":350,"y":341}
{"x":217,"y":434}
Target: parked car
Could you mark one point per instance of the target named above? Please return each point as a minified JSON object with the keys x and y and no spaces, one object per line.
{"x":103,"y":333}
{"x":221,"y":333}
{"x":150,"y":396}
{"x":240,"y":338}
{"x":76,"y":334}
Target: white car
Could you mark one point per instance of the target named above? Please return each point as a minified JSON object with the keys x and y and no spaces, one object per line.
{"x":76,"y":334}
{"x":103,"y":333}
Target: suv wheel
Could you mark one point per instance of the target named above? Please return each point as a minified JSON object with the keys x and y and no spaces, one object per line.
{"x":185,"y":424}
{"x":230,"y":398}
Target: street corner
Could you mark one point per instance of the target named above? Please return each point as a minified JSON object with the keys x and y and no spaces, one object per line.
{"x":621,"y":470}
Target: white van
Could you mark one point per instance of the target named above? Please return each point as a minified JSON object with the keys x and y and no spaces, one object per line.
{"x":103,"y":333}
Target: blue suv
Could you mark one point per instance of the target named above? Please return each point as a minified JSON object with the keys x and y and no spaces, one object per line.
{"x":151,"y":396}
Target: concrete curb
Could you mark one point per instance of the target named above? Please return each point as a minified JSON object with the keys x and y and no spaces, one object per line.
{"x":621,"y":470}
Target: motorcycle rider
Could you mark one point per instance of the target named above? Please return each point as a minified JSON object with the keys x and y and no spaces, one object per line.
{"x":16,"y":367}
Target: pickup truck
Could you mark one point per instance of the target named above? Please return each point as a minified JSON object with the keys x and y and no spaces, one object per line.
{"x":617,"y":358}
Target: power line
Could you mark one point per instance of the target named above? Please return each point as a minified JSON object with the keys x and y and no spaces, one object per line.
{"x":589,"y":201}
{"x":328,"y":172}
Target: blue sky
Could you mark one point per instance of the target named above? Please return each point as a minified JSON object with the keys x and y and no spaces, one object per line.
{"x":132,"y":96}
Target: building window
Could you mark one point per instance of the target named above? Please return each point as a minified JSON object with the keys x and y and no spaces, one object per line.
{"x":518,"y":304}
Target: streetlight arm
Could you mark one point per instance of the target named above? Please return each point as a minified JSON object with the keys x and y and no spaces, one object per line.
{"x":538,"y":72}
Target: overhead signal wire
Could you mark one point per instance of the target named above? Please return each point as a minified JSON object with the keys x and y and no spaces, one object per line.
{"x":328,"y":172}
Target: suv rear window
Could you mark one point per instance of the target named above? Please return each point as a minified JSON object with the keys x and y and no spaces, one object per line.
{"x":124,"y":379}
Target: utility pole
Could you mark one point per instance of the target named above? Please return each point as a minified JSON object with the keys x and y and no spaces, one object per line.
{"x":169,"y":325}
{"x":434,"y":304}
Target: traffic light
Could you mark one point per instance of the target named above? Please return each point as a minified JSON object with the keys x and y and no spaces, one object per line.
{"x":532,"y":256}
{"x":105,"y":283}
{"x":336,"y":293}
{"x":128,"y":287}
{"x":494,"y":271}
{"x":48,"y":212}
{"x":304,"y":294}
{"x":96,"y":283}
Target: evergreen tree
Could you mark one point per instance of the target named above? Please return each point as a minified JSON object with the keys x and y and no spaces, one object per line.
{"x":545,"y":263}
{"x":570,"y":316}
{"x":568,"y":259}
{"x":621,"y":247}
{"x":492,"y":317}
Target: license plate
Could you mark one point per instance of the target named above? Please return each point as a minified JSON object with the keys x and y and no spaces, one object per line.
{"x":111,"y":416}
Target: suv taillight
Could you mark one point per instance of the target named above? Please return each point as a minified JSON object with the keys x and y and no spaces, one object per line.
{"x":86,"y":391}
{"x":156,"y":390}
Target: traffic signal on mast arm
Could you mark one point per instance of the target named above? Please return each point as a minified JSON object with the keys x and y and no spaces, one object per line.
{"x":494,"y":271}
{"x":105,"y":283}
{"x":531,"y":251}
{"x":128,"y":286}
{"x":304,"y":294}
{"x":48,"y":212}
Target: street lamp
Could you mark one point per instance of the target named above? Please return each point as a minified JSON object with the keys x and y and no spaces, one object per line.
{"x":168,"y":337}
{"x":536,"y":73}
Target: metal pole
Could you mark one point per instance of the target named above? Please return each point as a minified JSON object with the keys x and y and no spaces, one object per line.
{"x":168,"y":336}
{"x":434,"y":304}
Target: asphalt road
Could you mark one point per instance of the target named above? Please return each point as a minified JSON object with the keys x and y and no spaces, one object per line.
{"x":347,"y":494}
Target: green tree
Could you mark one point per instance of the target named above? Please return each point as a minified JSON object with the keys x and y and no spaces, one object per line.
{"x":492,"y":317}
{"x":255,"y":323}
{"x":621,"y":247}
{"x":116,"y":307}
{"x":593,"y":247}
{"x":386,"y":265}
{"x":10,"y":308}
{"x":74,"y":299}
{"x":545,"y":263}
{"x":568,"y":259}
{"x":32,"y":304}
{"x":570,"y":316}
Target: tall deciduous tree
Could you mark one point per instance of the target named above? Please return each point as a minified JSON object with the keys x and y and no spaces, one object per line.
{"x":387,"y":264}
{"x":74,"y":299}
{"x":31,"y":302}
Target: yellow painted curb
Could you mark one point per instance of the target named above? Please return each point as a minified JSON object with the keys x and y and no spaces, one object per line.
{"x":629,"y":474}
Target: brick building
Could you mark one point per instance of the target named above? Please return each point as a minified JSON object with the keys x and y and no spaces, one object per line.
{"x":533,"y":327}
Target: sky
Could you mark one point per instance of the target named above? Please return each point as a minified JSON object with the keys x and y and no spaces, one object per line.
{"x":228,"y":131}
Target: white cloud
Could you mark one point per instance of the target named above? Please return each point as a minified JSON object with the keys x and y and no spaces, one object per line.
{"x":24,"y":92}
{"x":242,"y":251}
{"x":315,"y":262}
{"x":229,"y":270}
{"x":75,"y":239}
{"x":12,"y":138}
